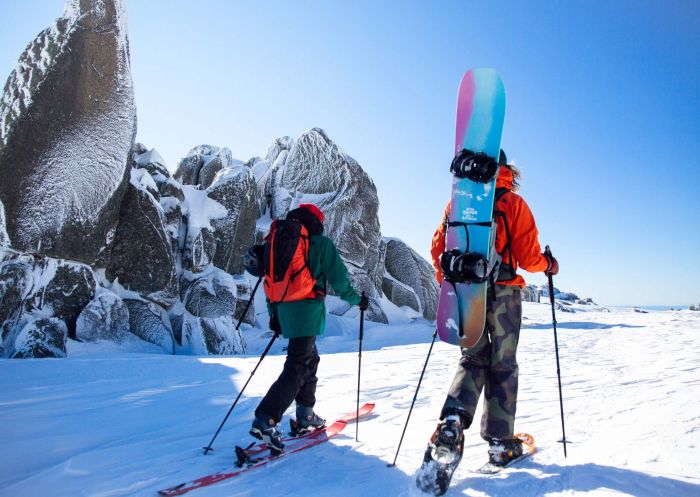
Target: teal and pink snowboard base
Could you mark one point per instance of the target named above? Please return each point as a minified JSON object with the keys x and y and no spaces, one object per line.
{"x":481,"y":107}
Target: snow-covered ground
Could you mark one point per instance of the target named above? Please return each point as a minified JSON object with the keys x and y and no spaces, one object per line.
{"x":107,"y":422}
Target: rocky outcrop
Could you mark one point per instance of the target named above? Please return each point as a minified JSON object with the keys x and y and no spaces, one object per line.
{"x":39,"y":338}
{"x":220,"y":211}
{"x":69,"y":287}
{"x":142,"y":256}
{"x":201,"y":165}
{"x":234,"y":188}
{"x":15,"y":285}
{"x":316,"y":170}
{"x":219,"y":295}
{"x":51,"y":287}
{"x":106,"y":317}
{"x":67,"y":123}
{"x":150,"y":322}
{"x":410,"y":279}
{"x":208,"y":336}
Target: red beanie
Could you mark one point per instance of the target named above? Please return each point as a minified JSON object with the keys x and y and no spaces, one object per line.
{"x":313,"y":210}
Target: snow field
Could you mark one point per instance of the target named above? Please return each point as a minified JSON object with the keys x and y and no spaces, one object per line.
{"x":128,"y":421}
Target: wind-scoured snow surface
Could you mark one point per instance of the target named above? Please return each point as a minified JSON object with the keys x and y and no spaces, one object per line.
{"x":110,"y":421}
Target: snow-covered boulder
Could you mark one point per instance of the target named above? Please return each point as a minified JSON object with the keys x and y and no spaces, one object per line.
{"x":530,"y":293}
{"x":265,"y":173}
{"x":234,"y":188}
{"x":404,"y":265}
{"x":314,"y":169}
{"x":400,"y":294}
{"x":67,"y":123}
{"x":106,"y":317}
{"x":217,"y":295}
{"x":55,"y":287}
{"x":142,"y":255}
{"x":209,"y":336}
{"x":38,"y":338}
{"x":197,"y":238}
{"x":66,"y":288}
{"x":151,"y":161}
{"x":170,"y":195}
{"x":201,"y":165}
{"x":151,"y":323}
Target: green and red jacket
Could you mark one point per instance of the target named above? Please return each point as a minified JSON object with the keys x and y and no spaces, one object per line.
{"x":307,"y":317}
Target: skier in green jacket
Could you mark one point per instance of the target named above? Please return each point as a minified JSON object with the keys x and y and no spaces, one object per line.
{"x":301,"y":322}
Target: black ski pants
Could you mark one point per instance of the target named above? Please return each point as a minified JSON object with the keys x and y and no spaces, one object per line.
{"x":297,"y":381}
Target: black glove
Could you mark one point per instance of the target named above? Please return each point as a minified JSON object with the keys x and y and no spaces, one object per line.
{"x":275,"y":323}
{"x":364,"y":302}
{"x":552,"y":265}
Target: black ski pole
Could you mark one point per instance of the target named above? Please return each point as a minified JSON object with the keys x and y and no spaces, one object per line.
{"x":548,"y":252}
{"x":245,"y":311}
{"x":359,"y":369}
{"x":267,"y":349}
{"x":252,"y":295}
{"x":420,"y":380}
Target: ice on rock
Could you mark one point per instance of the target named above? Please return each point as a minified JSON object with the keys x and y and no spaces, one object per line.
{"x":67,"y":123}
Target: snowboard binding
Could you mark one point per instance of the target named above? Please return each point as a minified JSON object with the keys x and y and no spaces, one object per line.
{"x":464,"y":268}
{"x":477,"y":167}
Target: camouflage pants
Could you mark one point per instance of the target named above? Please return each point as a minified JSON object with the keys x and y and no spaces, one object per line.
{"x":490,"y":365}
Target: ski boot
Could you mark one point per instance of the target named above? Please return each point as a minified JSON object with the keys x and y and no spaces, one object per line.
{"x":442,"y":456}
{"x":306,"y":422}
{"x":264,"y":428}
{"x":504,"y":451}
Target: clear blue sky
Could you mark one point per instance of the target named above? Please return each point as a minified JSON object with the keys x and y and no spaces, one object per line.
{"x":603,"y":112}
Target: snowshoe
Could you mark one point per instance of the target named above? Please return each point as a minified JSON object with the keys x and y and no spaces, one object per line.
{"x":505,"y":453}
{"x":442,"y":456}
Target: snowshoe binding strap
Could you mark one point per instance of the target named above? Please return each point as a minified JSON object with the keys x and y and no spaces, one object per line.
{"x":477,"y":167}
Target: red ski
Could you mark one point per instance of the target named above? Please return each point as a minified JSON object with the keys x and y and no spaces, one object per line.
{"x":365,"y":410}
{"x":295,"y":445}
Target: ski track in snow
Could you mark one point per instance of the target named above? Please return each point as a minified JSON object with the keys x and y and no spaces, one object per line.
{"x":107,"y":424}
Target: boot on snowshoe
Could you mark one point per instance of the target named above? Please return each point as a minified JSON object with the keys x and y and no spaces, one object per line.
{"x":503,"y":451}
{"x":442,"y":456}
{"x":264,"y":428}
{"x":307,"y":420}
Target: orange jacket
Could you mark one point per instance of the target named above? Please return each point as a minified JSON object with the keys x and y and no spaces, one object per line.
{"x":525,"y":246}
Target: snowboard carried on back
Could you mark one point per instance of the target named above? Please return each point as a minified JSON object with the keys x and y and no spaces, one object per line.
{"x":470,"y":256}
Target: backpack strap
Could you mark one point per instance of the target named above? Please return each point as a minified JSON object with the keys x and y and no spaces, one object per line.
{"x":507,"y":271}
